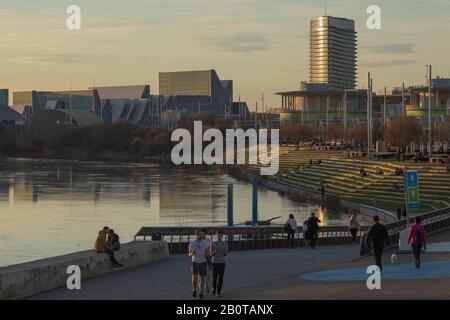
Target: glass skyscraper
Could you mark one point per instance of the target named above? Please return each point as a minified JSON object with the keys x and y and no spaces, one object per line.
{"x":333,"y":52}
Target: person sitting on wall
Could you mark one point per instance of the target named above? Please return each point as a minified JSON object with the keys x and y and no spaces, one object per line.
{"x":113,"y":240}
{"x":102,"y":247}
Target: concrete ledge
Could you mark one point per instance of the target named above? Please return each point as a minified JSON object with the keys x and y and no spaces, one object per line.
{"x":27,"y":279}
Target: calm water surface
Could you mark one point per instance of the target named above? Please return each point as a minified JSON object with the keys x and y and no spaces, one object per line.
{"x":54,"y":207}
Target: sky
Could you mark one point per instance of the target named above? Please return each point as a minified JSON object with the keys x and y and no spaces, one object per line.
{"x":262,"y":45}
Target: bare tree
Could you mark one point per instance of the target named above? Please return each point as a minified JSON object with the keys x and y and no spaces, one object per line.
{"x":403,"y":131}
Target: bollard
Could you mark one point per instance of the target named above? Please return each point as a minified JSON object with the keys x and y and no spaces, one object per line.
{"x":255,"y":202}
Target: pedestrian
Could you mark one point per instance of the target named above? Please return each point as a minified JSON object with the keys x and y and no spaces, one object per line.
{"x":113,"y":240}
{"x":218,"y":251}
{"x":291,"y":228}
{"x":305,"y":232}
{"x":313,"y":229}
{"x":198,"y":251}
{"x":399,"y":214}
{"x":404,"y":214}
{"x":418,"y":240}
{"x":101,"y":246}
{"x":209,"y":270}
{"x":378,"y":238}
{"x":353,"y":226}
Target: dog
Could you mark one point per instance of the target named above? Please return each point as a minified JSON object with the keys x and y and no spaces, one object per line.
{"x":394,"y":258}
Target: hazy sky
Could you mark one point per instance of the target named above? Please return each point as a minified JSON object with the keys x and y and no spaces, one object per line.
{"x":261,"y":44}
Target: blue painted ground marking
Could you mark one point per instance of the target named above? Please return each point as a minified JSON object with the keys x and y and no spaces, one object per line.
{"x":407,"y":271}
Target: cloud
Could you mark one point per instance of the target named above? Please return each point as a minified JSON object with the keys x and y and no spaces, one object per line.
{"x":394,"y":48}
{"x":47,"y":59}
{"x":391,"y":63}
{"x":241,"y":42}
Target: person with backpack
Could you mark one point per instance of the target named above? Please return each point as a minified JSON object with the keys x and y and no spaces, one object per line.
{"x":291,"y":228}
{"x":378,"y":238}
{"x":313,"y":229}
{"x":418,"y":240}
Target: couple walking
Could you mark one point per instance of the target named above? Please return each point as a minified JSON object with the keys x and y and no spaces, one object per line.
{"x":378,"y":238}
{"x":207,"y":256}
{"x":310,"y":230}
{"x":108,"y":242}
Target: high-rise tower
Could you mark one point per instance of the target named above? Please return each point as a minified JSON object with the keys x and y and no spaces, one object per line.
{"x":333,"y":52}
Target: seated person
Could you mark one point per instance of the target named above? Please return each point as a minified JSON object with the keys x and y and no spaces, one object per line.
{"x":395,"y":186}
{"x":113,"y":240}
{"x":102,"y":247}
{"x":362,"y":172}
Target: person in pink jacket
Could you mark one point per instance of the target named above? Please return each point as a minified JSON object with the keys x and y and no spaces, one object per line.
{"x":418,"y":239}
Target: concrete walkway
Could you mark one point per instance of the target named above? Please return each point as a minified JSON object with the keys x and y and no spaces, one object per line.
{"x":430,"y":282}
{"x":266,"y":274}
{"x":171,"y":279}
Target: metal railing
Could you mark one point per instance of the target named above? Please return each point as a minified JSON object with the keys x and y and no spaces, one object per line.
{"x":244,"y":237}
{"x":275,"y":236}
{"x":386,"y":216}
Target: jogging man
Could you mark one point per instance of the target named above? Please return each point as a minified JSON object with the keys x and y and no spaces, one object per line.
{"x":198,"y":250}
{"x":219,"y":250}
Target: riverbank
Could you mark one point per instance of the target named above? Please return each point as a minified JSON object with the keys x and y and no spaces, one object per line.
{"x":85,"y":154}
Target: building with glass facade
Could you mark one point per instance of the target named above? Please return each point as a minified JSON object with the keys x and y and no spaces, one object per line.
{"x":4,"y":97}
{"x":84,"y":100}
{"x":204,"y":83}
{"x":333,"y":52}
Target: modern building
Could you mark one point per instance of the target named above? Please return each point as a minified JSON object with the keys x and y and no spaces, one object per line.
{"x":133,"y":92}
{"x":320,"y":105}
{"x":112,"y":104}
{"x":4,"y":97}
{"x":63,"y":118}
{"x":418,"y":102}
{"x":9,"y":116}
{"x":85,"y":100}
{"x":125,"y":104}
{"x":333,"y":52}
{"x":198,"y":85}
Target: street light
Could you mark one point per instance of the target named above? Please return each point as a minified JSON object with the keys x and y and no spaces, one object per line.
{"x":429,"y":109}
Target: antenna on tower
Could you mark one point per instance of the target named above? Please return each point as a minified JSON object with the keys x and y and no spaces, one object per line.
{"x":325,"y":10}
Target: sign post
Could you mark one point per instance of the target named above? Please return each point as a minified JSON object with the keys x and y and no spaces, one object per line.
{"x":412,"y":201}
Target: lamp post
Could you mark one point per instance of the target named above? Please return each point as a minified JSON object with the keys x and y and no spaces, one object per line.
{"x":429,"y":111}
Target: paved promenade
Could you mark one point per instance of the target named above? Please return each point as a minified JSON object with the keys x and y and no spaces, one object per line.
{"x":402,"y":280}
{"x":268,"y":274}
{"x":171,"y":279}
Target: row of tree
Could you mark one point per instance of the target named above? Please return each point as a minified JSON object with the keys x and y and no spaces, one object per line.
{"x":401,"y":132}
{"x":96,"y":139}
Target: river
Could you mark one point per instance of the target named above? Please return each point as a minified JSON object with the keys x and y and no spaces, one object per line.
{"x":54,"y":207}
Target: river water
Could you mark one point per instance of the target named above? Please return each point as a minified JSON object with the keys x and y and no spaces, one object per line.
{"x":54,"y":207}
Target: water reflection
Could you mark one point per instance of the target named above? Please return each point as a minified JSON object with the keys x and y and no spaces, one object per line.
{"x":54,"y":207}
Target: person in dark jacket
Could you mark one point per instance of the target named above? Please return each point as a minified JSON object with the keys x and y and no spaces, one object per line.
{"x":377,"y":237}
{"x":113,"y":240}
{"x":313,"y":229}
